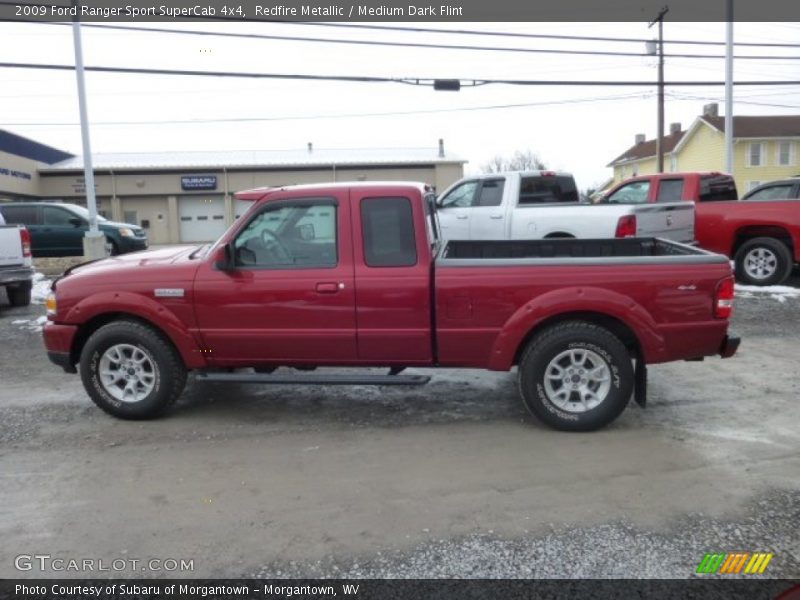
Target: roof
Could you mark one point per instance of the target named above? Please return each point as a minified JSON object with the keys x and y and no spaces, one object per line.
{"x":759,"y":126}
{"x":22,"y":146}
{"x":647,"y":149}
{"x":257,"y":158}
{"x":257,"y":193}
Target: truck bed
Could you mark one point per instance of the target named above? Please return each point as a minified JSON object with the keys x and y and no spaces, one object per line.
{"x":553,"y":250}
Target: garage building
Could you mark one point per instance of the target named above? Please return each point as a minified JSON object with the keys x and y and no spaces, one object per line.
{"x":188,"y":196}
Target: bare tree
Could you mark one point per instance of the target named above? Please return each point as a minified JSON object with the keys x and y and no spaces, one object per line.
{"x":521,"y":160}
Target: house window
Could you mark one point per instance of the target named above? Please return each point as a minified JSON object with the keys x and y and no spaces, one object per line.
{"x":752,"y":184}
{"x":754,"y":156}
{"x":673,"y":163}
{"x":785,"y":154}
{"x":635,"y":170}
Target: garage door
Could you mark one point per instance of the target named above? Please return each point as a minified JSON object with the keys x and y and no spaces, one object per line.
{"x":201,"y":219}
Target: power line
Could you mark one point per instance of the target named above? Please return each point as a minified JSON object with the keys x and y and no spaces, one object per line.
{"x":429,"y":46}
{"x":509,"y":34}
{"x":347,"y":115}
{"x":421,"y":81}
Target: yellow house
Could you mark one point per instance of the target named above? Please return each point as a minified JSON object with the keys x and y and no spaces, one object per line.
{"x":765,"y":149}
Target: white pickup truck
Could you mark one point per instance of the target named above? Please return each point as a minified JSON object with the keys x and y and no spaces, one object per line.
{"x":545,"y":204}
{"x":16,"y":271}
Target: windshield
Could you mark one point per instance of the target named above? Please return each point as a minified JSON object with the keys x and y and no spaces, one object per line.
{"x":83,"y":212}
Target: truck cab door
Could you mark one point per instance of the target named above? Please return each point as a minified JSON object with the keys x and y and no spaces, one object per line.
{"x":289,"y":296}
{"x":454,"y":209}
{"x":488,"y":215}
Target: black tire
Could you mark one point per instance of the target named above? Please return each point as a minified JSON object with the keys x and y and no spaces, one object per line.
{"x":595,"y":344}
{"x":166,"y":369}
{"x":19,"y":295}
{"x":776,"y":268}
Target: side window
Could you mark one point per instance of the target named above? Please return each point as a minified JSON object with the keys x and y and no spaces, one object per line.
{"x":670,"y":190}
{"x":297,"y":235}
{"x":57,"y":217}
{"x":491,"y":193}
{"x":20,"y":215}
{"x":717,"y":188}
{"x":462,"y":196}
{"x":773,"y":192}
{"x":388,"y":229}
{"x":633,"y":193}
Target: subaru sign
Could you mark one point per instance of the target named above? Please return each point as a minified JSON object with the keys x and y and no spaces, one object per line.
{"x":198,"y":182}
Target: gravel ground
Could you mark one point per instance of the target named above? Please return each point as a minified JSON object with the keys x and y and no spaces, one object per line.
{"x":449,"y":480}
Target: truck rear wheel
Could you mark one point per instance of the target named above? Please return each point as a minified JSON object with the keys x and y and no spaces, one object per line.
{"x":19,"y":295}
{"x":763,"y":261}
{"x":576,"y":376}
{"x":130,"y":371}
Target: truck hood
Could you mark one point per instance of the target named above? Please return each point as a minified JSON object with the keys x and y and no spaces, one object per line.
{"x":144,"y":258}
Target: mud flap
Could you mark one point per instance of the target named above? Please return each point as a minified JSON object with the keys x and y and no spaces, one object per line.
{"x":640,"y":383}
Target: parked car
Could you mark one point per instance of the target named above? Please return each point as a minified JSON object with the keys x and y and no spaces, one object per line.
{"x":544,"y":204}
{"x":354,"y":275}
{"x":58,"y":228}
{"x":782,"y":189}
{"x":761,"y":232}
{"x":16,"y":271}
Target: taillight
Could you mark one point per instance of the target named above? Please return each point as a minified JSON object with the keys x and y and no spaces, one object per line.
{"x":626,"y":227}
{"x":723,"y":299}
{"x":25,"y":237}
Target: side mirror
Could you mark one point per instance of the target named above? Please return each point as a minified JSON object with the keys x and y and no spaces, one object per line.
{"x":76,"y":222}
{"x":223,"y":258}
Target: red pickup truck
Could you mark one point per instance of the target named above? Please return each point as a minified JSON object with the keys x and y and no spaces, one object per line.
{"x":761,"y":234}
{"x":353,"y":275}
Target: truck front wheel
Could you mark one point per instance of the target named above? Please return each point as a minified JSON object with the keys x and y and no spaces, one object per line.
{"x":763,"y":261}
{"x":130,"y":371}
{"x":576,"y":376}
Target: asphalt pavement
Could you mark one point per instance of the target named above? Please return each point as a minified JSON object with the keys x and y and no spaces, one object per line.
{"x":448,"y":480}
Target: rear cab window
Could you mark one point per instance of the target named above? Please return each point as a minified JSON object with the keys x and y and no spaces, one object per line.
{"x":547,"y":189}
{"x":717,"y":188}
{"x":388,"y":232}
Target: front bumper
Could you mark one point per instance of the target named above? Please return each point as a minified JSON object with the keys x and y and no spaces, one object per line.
{"x":729,"y":346}
{"x":131,"y":244}
{"x":58,"y":342}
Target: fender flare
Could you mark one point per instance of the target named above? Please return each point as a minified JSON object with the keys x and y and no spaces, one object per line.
{"x":147,"y":309}
{"x":575,"y":299}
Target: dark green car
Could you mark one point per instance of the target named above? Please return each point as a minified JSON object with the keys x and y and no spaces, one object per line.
{"x":58,"y":229}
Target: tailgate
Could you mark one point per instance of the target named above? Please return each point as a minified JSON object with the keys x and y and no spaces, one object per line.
{"x":668,"y":220}
{"x":10,"y":246}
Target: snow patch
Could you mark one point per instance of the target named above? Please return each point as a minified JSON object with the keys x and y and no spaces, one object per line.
{"x":31,"y":324}
{"x":777,"y":292}
{"x":41,"y":287}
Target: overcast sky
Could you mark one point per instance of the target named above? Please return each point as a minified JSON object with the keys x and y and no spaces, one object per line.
{"x":579,"y":129}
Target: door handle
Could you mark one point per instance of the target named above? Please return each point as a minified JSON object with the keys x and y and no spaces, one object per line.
{"x":329,"y":287}
{"x":462,"y":217}
{"x":495,"y":216}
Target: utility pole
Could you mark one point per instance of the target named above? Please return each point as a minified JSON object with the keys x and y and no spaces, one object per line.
{"x":729,"y":88}
{"x":660,"y":136}
{"x":93,"y":242}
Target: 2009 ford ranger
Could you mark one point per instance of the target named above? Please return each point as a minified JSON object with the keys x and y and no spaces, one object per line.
{"x":354,"y":275}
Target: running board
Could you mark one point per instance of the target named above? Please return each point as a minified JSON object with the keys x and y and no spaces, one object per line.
{"x":315,"y":379}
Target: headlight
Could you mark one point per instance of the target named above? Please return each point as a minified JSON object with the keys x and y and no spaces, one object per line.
{"x":126,"y":232}
{"x":50,"y":304}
